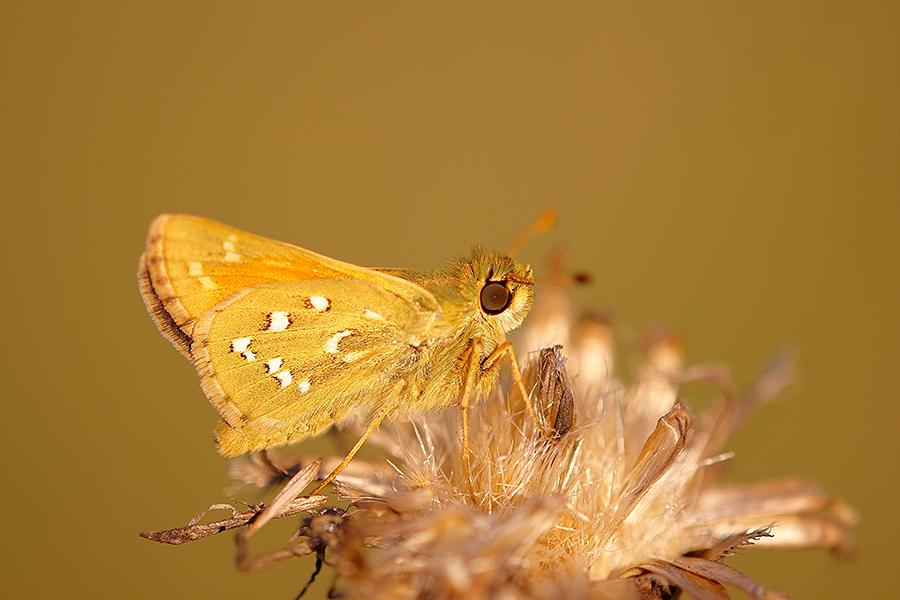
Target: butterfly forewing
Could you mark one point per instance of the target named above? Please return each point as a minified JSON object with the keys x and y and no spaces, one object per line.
{"x":192,"y":264}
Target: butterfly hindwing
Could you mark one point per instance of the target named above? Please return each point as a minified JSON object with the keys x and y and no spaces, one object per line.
{"x":291,"y":358}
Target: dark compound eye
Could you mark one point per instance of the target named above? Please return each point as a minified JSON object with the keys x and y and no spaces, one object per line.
{"x":495,"y":297}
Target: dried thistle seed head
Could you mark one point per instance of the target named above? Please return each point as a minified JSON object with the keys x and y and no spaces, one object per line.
{"x":625,"y":500}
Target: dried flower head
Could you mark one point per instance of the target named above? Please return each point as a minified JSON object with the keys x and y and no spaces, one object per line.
{"x":623,"y":500}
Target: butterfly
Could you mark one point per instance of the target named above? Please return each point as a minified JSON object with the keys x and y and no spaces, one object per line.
{"x":288,"y":342}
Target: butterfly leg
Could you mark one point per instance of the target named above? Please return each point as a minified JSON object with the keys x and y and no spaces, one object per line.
{"x":471,"y":370}
{"x":266,"y":460}
{"x":506,"y":349}
{"x":372,"y":426}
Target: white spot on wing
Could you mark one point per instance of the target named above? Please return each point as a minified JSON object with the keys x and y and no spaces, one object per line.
{"x":278,"y":321}
{"x":304,"y":386}
{"x":195,"y":268}
{"x":274,"y":364}
{"x":240,"y":344}
{"x":207,"y":283}
{"x":231,"y":255}
{"x":371,"y":314}
{"x":332,"y":344}
{"x":319,"y":303}
{"x":351,"y":356}
{"x":284,"y":377}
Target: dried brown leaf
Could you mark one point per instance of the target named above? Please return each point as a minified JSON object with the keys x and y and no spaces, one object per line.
{"x":696,"y":585}
{"x":724,"y":574}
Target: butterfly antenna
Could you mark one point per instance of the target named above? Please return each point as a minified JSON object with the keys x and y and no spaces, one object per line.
{"x":539,"y":225}
{"x":560,"y":274}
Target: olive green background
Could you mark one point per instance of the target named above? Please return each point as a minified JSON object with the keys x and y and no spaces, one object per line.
{"x":727,"y":168}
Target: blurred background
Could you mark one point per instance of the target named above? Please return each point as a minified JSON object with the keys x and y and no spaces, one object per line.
{"x":729,"y":169}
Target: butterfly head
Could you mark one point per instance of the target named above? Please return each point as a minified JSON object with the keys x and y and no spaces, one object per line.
{"x":506,"y":289}
{"x":488,"y":293}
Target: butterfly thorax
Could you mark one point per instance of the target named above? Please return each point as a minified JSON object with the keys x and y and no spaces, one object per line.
{"x":458,"y":289}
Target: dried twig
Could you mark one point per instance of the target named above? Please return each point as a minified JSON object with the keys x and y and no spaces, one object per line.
{"x":195,"y":530}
